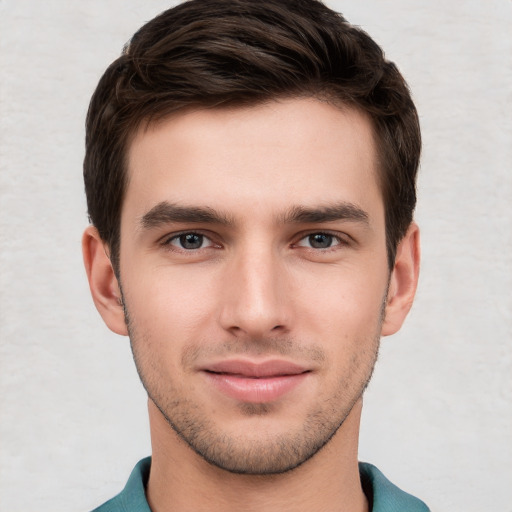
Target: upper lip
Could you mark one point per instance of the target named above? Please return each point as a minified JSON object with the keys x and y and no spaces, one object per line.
{"x":244,"y":368}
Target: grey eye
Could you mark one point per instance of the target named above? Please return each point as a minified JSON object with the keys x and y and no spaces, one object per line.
{"x":190,"y":241}
{"x":320,"y":240}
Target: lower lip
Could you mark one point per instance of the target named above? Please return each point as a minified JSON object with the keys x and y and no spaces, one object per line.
{"x":255,"y":390}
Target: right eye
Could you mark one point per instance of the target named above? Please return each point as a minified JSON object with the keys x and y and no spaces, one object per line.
{"x":190,"y":241}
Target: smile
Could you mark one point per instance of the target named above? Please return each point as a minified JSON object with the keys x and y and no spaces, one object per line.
{"x":255,"y":382}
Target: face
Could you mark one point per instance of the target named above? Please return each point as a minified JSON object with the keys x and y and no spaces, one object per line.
{"x":254,"y":276}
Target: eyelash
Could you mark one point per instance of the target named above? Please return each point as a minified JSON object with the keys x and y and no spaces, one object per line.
{"x":167,"y":241}
{"x":337,"y":238}
{"x":339,"y":241}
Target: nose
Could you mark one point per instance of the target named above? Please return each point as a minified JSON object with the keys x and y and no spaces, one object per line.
{"x":255,"y":301}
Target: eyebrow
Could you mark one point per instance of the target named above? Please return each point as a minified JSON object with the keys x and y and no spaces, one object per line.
{"x":165,"y":213}
{"x":328,"y":213}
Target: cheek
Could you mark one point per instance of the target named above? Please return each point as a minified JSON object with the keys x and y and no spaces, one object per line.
{"x":345,"y":300}
{"x":170,"y":302}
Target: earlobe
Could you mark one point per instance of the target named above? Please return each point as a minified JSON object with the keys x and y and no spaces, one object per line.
{"x":102,"y":281}
{"x":403,"y":281}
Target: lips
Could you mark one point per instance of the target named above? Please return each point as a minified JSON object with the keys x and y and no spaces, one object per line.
{"x":252,"y":382}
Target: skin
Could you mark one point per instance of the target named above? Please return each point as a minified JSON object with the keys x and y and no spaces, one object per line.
{"x":285,"y":259}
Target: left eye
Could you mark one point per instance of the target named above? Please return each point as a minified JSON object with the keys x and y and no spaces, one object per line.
{"x":190,"y":241}
{"x":319,"y":241}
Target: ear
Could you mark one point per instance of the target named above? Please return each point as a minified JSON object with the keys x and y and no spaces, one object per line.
{"x":105,"y":290}
{"x":403,"y":281}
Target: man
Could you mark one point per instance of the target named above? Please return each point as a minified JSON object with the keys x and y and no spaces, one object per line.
{"x":250,"y":175}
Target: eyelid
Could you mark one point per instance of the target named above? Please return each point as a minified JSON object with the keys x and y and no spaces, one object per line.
{"x":342,"y":239}
{"x":166,"y":240}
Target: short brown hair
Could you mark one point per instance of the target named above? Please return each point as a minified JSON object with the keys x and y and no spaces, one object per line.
{"x":217,"y":53}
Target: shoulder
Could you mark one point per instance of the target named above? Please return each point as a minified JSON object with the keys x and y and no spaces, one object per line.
{"x":113,"y":505}
{"x":133,"y":497}
{"x":384,"y":496}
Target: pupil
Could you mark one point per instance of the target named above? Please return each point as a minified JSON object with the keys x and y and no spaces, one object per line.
{"x":191,"y":241}
{"x":320,"y":240}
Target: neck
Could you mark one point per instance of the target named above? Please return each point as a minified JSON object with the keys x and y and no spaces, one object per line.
{"x":181,"y":480}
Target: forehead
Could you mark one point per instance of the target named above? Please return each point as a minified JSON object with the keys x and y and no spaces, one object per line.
{"x":262,"y":158}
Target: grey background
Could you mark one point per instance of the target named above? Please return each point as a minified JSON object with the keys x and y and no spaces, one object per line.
{"x":438,"y":414}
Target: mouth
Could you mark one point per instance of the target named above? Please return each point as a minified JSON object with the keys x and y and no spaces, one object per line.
{"x":252,"y":382}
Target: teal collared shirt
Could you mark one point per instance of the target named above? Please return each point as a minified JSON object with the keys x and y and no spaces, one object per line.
{"x":383,"y":496}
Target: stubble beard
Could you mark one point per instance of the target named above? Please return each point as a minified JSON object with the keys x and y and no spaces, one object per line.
{"x":254,"y":453}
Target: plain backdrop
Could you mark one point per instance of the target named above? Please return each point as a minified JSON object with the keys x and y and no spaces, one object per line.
{"x":438,"y":414}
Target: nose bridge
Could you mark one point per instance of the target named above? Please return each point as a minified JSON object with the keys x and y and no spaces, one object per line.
{"x":254,"y":302}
